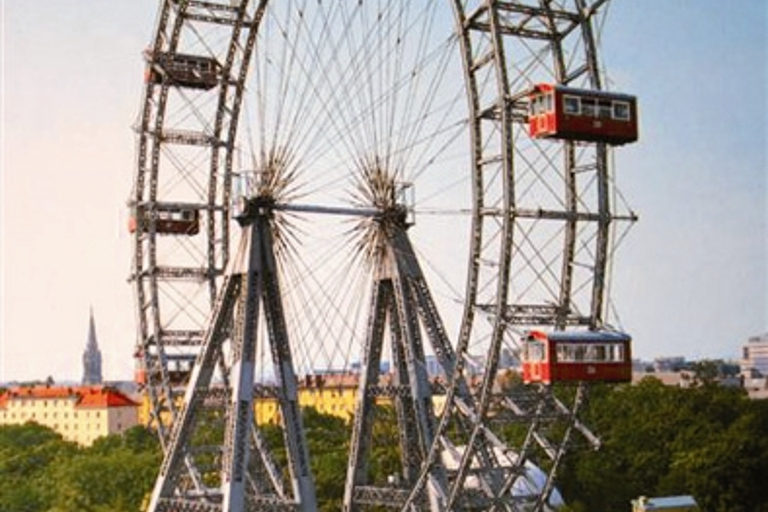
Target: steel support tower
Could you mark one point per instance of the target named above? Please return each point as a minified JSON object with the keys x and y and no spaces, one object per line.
{"x":239,"y":474}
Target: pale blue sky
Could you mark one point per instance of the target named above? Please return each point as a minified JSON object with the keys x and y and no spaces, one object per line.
{"x":690,"y":279}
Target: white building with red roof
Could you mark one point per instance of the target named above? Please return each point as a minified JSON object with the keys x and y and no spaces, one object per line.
{"x":79,"y":413}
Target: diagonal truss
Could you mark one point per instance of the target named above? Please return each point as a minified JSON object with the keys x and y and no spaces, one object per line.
{"x":401,"y":301}
{"x":217,"y":458}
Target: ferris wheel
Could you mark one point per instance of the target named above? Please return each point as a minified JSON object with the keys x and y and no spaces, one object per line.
{"x":384,"y":188}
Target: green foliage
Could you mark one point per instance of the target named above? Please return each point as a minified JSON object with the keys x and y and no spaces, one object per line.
{"x":40,"y":472}
{"x":708,"y":441}
{"x":328,"y":440}
{"x":26,"y":452}
{"x":385,"y":453}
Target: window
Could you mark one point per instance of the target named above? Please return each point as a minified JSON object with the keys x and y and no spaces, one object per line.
{"x":604,"y":109}
{"x":589,"y":107}
{"x":535,"y":351}
{"x":571,"y":105}
{"x":598,"y":353}
{"x":621,"y":110}
{"x":535,"y":105}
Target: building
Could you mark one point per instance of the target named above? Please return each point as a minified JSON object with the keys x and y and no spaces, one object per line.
{"x":754,"y":362}
{"x":92,"y":357}
{"x":79,"y":413}
{"x":328,"y":393}
{"x":681,"y":379}
{"x":669,"y":364}
{"x":666,"y":504}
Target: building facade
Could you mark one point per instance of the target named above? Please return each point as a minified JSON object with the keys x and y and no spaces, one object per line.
{"x":754,"y":362}
{"x":79,"y":413}
{"x":330,"y":393}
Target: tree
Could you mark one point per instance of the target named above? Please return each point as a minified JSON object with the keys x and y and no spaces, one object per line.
{"x":328,"y":440}
{"x":724,"y":473}
{"x":40,"y":472}
{"x":114,"y":474}
{"x":26,"y":451}
{"x":658,"y":440}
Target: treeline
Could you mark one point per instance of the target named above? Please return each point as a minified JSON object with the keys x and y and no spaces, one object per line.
{"x":708,"y":441}
{"x":40,"y":472}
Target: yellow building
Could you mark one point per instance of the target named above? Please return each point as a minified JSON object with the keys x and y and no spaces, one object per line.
{"x":79,"y":413}
{"x":334,"y":394}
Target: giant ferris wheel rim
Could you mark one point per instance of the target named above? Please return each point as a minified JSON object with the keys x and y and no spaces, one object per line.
{"x":153,"y":141}
{"x":496,"y":241}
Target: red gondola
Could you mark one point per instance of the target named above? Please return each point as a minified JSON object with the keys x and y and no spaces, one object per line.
{"x":178,"y":368}
{"x":558,"y":112}
{"x":574,"y":356}
{"x":169,"y":221}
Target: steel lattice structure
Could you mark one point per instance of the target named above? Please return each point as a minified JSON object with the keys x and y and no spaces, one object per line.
{"x":289,"y":105}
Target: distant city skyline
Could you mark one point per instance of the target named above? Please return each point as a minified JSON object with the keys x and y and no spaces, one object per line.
{"x":690,"y":279}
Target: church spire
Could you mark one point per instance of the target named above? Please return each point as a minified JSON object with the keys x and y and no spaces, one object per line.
{"x":92,"y":356}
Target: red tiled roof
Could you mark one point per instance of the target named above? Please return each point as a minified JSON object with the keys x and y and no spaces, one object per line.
{"x":105,"y":397}
{"x":86,"y":396}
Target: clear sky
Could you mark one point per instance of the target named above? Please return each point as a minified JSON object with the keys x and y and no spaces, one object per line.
{"x":691,"y":278}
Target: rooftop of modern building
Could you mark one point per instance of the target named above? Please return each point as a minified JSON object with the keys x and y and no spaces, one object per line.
{"x":760,"y":338}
